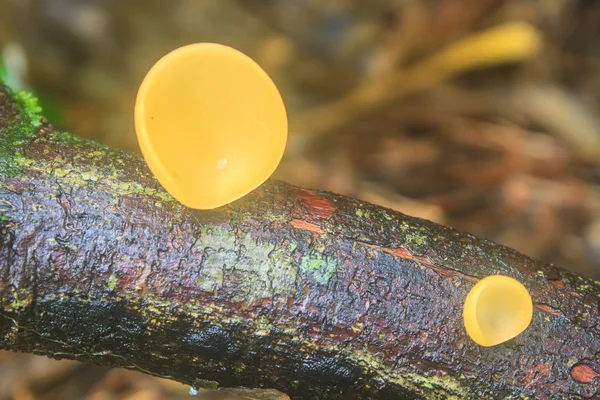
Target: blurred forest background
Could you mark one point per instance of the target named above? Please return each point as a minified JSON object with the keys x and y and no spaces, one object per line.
{"x":479,"y":114}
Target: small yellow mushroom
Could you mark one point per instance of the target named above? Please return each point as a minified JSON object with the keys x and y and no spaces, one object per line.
{"x":210,"y":123}
{"x":497,"y":309}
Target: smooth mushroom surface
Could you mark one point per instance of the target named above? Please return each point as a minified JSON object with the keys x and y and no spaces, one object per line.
{"x":210,"y":123}
{"x":497,"y":309}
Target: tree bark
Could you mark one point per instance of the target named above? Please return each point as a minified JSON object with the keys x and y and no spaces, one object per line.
{"x":315,"y":294}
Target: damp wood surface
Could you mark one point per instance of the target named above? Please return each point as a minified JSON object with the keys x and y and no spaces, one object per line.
{"x":317,"y":295}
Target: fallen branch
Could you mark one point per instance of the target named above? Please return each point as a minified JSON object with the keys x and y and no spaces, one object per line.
{"x":504,"y":44}
{"x":312,"y":293}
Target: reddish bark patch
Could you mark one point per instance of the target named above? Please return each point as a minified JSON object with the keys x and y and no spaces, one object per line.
{"x":445,"y":272}
{"x":316,"y":204}
{"x":307,"y":226}
{"x":547,"y":309}
{"x":538,"y":372}
{"x":558,"y":284}
{"x":583,"y":373}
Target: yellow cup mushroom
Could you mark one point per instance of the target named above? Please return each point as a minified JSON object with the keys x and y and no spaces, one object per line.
{"x":210,"y":123}
{"x":497,"y":309}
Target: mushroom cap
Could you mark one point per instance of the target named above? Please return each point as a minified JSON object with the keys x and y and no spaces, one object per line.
{"x":210,"y":123}
{"x":497,"y":309}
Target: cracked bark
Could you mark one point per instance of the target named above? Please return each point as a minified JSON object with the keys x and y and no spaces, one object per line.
{"x":312,"y":293}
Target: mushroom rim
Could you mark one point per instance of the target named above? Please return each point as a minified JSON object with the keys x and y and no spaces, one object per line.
{"x":158,"y":169}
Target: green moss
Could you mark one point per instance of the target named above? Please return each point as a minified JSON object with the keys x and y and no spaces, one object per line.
{"x":30,"y":108}
{"x":361,"y":213}
{"x":412,"y":235}
{"x":22,"y":161}
{"x":18,"y":131}
{"x":419,"y":240}
{"x":110,"y":178}
{"x":239,"y":366}
{"x":263,"y":325}
{"x":112,"y":282}
{"x":319,"y":266}
{"x":89,"y":176}
{"x":61,"y":172}
{"x":164,"y":196}
{"x":439,"y":382}
{"x":16,"y":303}
{"x":434,"y":386}
{"x":21,"y":299}
{"x":14,"y":142}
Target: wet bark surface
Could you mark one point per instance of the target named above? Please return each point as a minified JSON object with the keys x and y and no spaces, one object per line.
{"x":312,"y":293}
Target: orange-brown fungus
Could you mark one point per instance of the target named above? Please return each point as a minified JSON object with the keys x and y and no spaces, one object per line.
{"x":497,"y":309}
{"x":210,"y":123}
